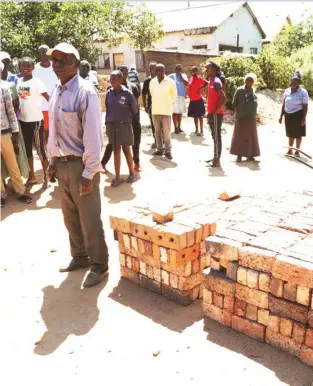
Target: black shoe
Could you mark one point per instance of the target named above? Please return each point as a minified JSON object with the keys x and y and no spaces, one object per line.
{"x":239,"y":159}
{"x":168,"y":155}
{"x":95,"y":276}
{"x":158,"y":152}
{"x":2,"y":202}
{"x":76,"y":264}
{"x":25,"y":199}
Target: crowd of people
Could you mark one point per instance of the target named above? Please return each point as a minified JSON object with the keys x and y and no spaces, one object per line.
{"x":54,"y":107}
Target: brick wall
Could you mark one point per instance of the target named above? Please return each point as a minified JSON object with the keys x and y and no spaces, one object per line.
{"x":170,"y":59}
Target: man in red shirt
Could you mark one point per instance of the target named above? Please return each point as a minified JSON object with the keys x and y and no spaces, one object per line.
{"x":216,"y":100}
{"x":196,"y":108}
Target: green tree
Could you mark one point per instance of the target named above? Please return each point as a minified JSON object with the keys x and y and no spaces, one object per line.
{"x":145,"y":28}
{"x":294,"y":37}
{"x":27,"y":25}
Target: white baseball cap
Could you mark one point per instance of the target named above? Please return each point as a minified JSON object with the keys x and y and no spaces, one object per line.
{"x":65,"y":48}
{"x":4,"y":55}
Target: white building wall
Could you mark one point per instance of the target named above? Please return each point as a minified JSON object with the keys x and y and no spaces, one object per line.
{"x":125,"y":48}
{"x":240,"y":23}
{"x":185,"y":42}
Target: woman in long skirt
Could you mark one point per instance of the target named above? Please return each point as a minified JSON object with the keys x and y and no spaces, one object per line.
{"x":245,"y":141}
{"x":295,"y":108}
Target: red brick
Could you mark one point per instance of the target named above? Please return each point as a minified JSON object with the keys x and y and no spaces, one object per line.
{"x":187,"y":283}
{"x":252,"y":312}
{"x":135,"y":265}
{"x":293,"y":271}
{"x":216,"y":281}
{"x":150,"y":284}
{"x":207,"y":296}
{"x":286,"y":326}
{"x":309,"y":337}
{"x":263,"y":316}
{"x":229,"y":302}
{"x":304,"y":295}
{"x":310,"y":318}
{"x":130,"y":275}
{"x":283,"y":342}
{"x":231,"y":271}
{"x":306,"y":355}
{"x":252,"y":279}
{"x":242,"y":275}
{"x":277,"y":287}
{"x":182,"y":297}
{"x":223,"y":248}
{"x":290,"y":292}
{"x":195,"y":266}
{"x":217,"y":314}
{"x":288,"y":309}
{"x":274,"y":323}
{"x":240,"y":307}
{"x":218,"y":300}
{"x":204,"y":260}
{"x":252,"y":329}
{"x":298,"y":333}
{"x":264,"y":282}
{"x":258,"y":259}
{"x":255,"y":297}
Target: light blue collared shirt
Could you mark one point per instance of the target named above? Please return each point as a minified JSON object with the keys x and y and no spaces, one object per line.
{"x":295,"y":101}
{"x":75,"y":124}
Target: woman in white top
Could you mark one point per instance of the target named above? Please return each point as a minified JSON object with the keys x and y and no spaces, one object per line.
{"x":31,"y":91}
{"x":295,"y":108}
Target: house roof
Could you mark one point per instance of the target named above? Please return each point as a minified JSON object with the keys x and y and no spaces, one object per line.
{"x":209,"y":16}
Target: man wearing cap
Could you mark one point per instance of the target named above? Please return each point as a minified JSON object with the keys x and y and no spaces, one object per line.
{"x":5,"y":73}
{"x":75,"y":142}
{"x":44,"y":72}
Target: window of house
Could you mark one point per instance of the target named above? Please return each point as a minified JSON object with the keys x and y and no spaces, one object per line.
{"x":140,"y":60}
{"x":224,"y":47}
{"x":254,"y":51}
{"x":104,"y":62}
{"x":201,"y":47}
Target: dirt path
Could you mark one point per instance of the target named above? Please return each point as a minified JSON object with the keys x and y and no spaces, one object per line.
{"x":54,"y":332}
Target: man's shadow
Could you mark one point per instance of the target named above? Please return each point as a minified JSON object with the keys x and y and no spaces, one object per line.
{"x":68,"y":310}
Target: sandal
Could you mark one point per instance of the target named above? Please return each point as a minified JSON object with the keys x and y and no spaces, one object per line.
{"x":116,"y":182}
{"x":289,"y":152}
{"x":25,"y":199}
{"x":131,"y":179}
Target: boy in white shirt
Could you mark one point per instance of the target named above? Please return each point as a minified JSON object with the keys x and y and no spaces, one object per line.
{"x":31,"y":92}
{"x":43,"y":71}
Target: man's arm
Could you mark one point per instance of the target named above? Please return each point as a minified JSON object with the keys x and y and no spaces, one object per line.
{"x":92,"y":135}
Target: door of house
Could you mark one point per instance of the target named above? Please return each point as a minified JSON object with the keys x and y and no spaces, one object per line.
{"x":118,"y":59}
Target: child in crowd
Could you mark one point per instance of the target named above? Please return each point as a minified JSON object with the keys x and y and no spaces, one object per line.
{"x":121,"y":107}
{"x":31,"y":91}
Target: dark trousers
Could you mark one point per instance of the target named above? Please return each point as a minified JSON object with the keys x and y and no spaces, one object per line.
{"x":216,"y":131}
{"x":151,"y":122}
{"x":82,"y":214}
{"x":136,"y":148}
{"x":137,"y":138}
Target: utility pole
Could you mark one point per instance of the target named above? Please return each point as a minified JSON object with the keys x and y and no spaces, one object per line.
{"x":188,"y":4}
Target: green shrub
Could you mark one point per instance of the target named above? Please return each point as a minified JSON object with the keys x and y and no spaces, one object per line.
{"x":302,"y":60}
{"x":233,"y":82}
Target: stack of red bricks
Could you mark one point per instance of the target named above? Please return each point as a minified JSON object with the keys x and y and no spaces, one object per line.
{"x":169,"y":258}
{"x":262,"y":293}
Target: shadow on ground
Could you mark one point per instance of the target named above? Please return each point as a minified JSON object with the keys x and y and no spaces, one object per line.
{"x":156,"y":307}
{"x":287,"y":368}
{"x":68,"y":310}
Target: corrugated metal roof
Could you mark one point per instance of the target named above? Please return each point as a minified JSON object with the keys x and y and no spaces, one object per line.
{"x":199,"y":17}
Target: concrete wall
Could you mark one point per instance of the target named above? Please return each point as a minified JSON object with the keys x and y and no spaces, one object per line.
{"x":186,"y":42}
{"x":240,"y":23}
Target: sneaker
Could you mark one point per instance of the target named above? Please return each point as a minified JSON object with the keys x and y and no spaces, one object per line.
{"x":25,"y":199}
{"x":2,"y":202}
{"x":95,"y":276}
{"x":168,"y":155}
{"x":137,"y":168}
{"x":158,"y":152}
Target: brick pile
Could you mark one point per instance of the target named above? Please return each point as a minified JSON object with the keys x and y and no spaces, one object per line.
{"x":169,"y":258}
{"x":261,"y":278}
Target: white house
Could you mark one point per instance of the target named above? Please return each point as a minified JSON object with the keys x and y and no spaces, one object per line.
{"x":217,"y":27}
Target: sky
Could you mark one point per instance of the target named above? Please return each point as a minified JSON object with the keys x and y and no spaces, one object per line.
{"x":295,"y":9}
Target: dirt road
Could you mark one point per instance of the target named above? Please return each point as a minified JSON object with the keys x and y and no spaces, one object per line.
{"x":54,"y":332}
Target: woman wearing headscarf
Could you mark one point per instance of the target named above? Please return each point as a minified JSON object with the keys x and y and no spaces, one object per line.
{"x":295,"y":108}
{"x":245,"y":141}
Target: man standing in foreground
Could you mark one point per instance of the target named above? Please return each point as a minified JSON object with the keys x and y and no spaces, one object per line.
{"x":163,"y":93}
{"x":75,"y":143}
{"x":146,"y":97}
{"x":45,"y":73}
